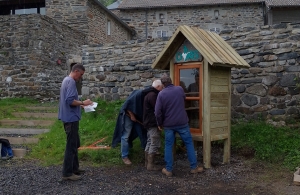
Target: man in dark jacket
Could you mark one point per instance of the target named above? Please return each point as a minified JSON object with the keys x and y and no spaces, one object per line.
{"x":149,"y":122}
{"x":129,"y":124}
{"x":171,"y":115}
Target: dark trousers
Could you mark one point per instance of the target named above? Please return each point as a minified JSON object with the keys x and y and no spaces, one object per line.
{"x":71,"y":162}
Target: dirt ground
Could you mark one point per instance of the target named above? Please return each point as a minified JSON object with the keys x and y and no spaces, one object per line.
{"x":240,"y":177}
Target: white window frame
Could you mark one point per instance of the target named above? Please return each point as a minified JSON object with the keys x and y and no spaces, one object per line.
{"x":108,"y":27}
{"x":162,"y":33}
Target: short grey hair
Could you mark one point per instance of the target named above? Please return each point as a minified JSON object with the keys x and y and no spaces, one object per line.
{"x":77,"y":66}
{"x":156,"y":83}
{"x":166,"y":80}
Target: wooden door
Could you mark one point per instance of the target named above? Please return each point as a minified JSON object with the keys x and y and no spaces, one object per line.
{"x":189,"y":76}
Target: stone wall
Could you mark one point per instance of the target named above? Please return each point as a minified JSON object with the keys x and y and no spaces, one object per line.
{"x":32,"y":47}
{"x":34,"y":51}
{"x":267,"y":89}
{"x":69,"y":12}
{"x":88,"y":17}
{"x":113,"y":71}
{"x":148,"y":21}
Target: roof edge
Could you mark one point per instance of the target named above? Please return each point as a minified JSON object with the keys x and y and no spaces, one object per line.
{"x":191,"y":5}
{"x":115,"y":17}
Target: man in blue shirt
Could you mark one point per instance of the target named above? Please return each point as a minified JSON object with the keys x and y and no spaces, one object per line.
{"x":171,"y":115}
{"x":70,"y":114}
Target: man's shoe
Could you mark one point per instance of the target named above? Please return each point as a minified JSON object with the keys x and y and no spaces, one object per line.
{"x":79,"y":172}
{"x":126,"y":161}
{"x":72,"y":177}
{"x":167,"y":173}
{"x":197,"y":170}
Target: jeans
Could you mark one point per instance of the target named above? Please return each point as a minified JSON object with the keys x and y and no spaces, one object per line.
{"x":128,"y":123}
{"x":185,"y":134}
{"x":71,"y":162}
{"x":153,"y":140}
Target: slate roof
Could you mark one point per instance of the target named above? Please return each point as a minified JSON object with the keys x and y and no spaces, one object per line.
{"x":282,"y":3}
{"x":213,"y":48}
{"x":131,"y":4}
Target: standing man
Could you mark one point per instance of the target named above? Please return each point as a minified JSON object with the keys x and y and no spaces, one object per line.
{"x":171,"y":115}
{"x":130,"y":125}
{"x":70,"y":114}
{"x":149,"y":122}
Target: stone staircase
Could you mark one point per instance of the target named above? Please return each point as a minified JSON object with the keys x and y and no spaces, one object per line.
{"x":20,"y":130}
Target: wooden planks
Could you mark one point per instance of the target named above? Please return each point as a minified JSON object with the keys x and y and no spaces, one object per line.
{"x":213,"y":48}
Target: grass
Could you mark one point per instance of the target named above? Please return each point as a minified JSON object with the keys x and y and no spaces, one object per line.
{"x":10,"y":105}
{"x":273,"y":145}
{"x":93,"y":126}
{"x":278,"y":145}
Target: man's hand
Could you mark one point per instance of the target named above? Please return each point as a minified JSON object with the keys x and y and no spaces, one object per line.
{"x":160,"y":128}
{"x":131,"y":115}
{"x":87,"y":102}
{"x":133,"y":118}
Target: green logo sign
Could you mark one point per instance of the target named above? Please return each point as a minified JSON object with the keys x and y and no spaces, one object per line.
{"x":187,"y":53}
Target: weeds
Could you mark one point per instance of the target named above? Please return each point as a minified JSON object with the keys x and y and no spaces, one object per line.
{"x":272,"y":144}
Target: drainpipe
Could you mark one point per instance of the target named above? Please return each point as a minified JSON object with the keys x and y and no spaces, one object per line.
{"x":264,"y":12}
{"x":146,"y":26}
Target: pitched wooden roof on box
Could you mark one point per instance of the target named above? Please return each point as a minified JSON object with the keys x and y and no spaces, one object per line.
{"x":213,"y":48}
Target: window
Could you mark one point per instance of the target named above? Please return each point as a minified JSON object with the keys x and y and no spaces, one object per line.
{"x":216,"y":14}
{"x":108,"y":27}
{"x":161,"y":16}
{"x":26,"y":11}
{"x":162,"y":33}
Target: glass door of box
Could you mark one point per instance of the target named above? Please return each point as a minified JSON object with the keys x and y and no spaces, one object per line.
{"x":189,"y":77}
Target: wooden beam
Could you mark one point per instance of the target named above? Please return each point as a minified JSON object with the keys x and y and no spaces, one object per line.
{"x":227,"y":142}
{"x":206,"y":115}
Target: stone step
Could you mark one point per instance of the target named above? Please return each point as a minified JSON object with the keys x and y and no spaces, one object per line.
{"x":42,"y":108}
{"x":42,"y":123}
{"x":21,"y":140}
{"x":19,"y":152}
{"x":22,"y":131}
{"x":35,"y":114}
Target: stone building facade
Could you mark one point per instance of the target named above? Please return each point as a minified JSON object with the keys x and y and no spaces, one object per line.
{"x":162,"y":22}
{"x":267,"y":89}
{"x":34,"y":51}
{"x":90,"y":17}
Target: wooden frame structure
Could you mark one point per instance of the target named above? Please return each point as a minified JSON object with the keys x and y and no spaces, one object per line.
{"x":214,"y":69}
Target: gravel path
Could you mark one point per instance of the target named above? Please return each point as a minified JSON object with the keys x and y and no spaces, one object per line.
{"x":19,"y":176}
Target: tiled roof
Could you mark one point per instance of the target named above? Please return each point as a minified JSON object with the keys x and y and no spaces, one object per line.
{"x":128,"y":4}
{"x":282,"y":3}
{"x":131,"y":4}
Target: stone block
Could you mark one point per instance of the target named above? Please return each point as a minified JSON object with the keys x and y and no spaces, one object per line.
{"x":19,"y":152}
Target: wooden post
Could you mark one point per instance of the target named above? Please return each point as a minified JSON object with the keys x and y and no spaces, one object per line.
{"x":227,"y":142}
{"x":206,"y":114}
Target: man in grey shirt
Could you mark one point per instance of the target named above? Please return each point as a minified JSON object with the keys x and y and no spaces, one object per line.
{"x":70,"y":114}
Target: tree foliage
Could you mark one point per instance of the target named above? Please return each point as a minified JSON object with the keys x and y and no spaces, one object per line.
{"x":107,"y":2}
